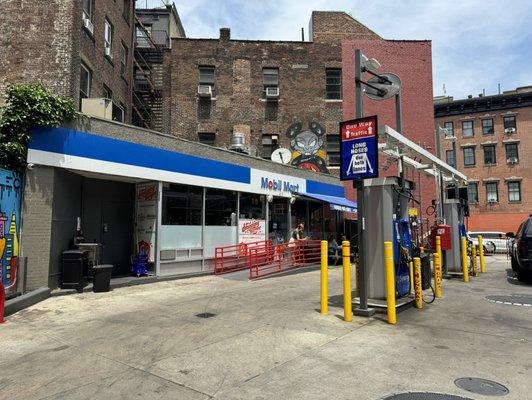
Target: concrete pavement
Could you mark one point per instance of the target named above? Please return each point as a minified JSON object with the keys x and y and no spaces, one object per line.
{"x":265,"y":341}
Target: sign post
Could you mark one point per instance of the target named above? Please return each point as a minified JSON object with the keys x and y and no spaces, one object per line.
{"x":359,"y":158}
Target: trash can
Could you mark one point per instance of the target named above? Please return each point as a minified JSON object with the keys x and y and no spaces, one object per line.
{"x":74,"y":265}
{"x":425,"y":271}
{"x":102,"y":277}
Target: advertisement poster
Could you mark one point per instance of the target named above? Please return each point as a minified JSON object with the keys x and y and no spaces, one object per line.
{"x":359,"y":149}
{"x":10,"y":199}
{"x":146,"y":221}
{"x":251,"y":230}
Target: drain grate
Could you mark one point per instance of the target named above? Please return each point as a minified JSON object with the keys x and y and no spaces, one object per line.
{"x":425,"y":396}
{"x":205,"y":315}
{"x":524,"y":300}
{"x":482,"y":386}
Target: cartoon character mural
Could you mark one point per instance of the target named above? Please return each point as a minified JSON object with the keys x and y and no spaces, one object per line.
{"x":10,"y":200}
{"x":308,"y":146}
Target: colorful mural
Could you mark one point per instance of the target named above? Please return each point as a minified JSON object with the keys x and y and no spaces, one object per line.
{"x":10,"y":200}
{"x":307,"y":146}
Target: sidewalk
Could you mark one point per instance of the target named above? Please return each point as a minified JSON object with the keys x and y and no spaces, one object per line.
{"x":265,"y":340}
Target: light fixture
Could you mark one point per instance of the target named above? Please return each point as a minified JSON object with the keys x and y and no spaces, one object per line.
{"x":292,"y":200}
{"x":269,"y":198}
{"x":370,"y":64}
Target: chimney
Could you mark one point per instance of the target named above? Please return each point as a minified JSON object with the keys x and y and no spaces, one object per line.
{"x":225,"y":34}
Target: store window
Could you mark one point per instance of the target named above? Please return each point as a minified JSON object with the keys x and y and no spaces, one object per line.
{"x":333,"y":83}
{"x":315,"y":229}
{"x":514,"y":191}
{"x":469,"y":156}
{"x":220,"y":207}
{"x":489,"y":155}
{"x":251,"y":206}
{"x":450,"y":158}
{"x":333,"y":149}
{"x":467,"y":129}
{"x":472,"y":192}
{"x":487,"y":126}
{"x":182,"y":205}
{"x":449,"y":129}
{"x":492,"y":192}
{"x":512,"y":154}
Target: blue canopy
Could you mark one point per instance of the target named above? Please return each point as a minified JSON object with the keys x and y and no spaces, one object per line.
{"x":337,"y":203}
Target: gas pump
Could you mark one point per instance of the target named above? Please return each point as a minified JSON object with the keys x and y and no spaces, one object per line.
{"x":455,"y":209}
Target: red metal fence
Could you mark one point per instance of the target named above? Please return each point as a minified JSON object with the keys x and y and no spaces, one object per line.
{"x":265,"y":258}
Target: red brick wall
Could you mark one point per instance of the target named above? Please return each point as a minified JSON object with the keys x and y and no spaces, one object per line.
{"x":411,"y":61}
{"x":500,"y":222}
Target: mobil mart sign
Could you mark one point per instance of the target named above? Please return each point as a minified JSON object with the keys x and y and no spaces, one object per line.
{"x":359,"y":151}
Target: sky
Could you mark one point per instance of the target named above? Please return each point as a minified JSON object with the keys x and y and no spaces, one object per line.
{"x":476,"y":44}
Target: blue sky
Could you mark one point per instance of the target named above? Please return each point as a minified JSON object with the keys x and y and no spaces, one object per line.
{"x":476,"y":44}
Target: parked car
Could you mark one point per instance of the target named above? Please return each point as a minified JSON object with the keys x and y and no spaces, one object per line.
{"x":521,"y":250}
{"x":494,"y":242}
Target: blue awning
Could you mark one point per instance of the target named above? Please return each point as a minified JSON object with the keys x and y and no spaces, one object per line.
{"x":337,"y":203}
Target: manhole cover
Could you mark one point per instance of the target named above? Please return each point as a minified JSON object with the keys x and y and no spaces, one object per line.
{"x":482,"y":386}
{"x":205,"y":315}
{"x":524,"y":300}
{"x":425,"y":396}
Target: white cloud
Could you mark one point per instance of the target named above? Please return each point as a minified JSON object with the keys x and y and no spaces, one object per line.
{"x":476,"y":44}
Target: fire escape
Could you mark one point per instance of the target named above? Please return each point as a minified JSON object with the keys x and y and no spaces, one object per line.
{"x":148,"y":59}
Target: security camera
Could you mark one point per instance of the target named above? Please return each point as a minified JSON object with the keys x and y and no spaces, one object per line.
{"x":30,"y":166}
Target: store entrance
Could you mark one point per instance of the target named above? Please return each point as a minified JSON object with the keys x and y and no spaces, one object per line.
{"x":278,"y":220}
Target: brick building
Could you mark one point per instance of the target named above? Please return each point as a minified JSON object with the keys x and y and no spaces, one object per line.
{"x":487,"y":138}
{"x":78,"y":48}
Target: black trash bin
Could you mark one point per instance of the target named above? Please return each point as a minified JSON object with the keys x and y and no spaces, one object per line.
{"x":74,"y":266}
{"x":102,"y":277}
{"x":425,"y":271}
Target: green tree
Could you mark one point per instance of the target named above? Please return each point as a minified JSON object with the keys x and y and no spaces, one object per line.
{"x":28,"y":105}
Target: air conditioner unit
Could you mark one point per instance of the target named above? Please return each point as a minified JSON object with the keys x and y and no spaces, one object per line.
{"x":272,"y":92}
{"x":509,"y":130}
{"x":88,"y":25}
{"x":205,"y":91}
{"x":512,"y":160}
{"x":492,"y":201}
{"x":97,"y":107}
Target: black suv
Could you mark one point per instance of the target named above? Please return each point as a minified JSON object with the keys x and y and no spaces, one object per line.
{"x":521,"y":250}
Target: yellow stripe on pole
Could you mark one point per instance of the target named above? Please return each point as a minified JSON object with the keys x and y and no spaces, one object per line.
{"x":465,"y":263}
{"x":437,"y":275}
{"x":390,"y":283}
{"x":481,"y":254}
{"x":438,"y":247}
{"x":346,"y":264}
{"x":417,"y":283}
{"x":323,"y":277}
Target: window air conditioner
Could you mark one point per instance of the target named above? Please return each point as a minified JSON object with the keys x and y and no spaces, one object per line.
{"x":88,"y":25}
{"x":492,"y":201}
{"x":512,"y":160}
{"x":108,"y":52}
{"x":509,"y":130}
{"x":272,"y":92}
{"x":205,"y":91}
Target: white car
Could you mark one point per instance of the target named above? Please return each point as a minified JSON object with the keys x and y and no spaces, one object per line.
{"x":494,"y":242}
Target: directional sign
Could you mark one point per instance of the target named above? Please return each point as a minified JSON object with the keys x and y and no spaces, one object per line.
{"x":359,"y":149}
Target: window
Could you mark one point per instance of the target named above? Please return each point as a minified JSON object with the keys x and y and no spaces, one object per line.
{"x":492,"y":192}
{"x":108,"y":39}
{"x":87,"y":9}
{"x":487,"y":126}
{"x":251,"y":206}
{"x":467,"y":129}
{"x":333,"y":83}
{"x":126,"y":12}
{"x":469,"y":156}
{"x":472,"y":192}
{"x":270,"y":77}
{"x":489,"y":154}
{"x":118,"y":113}
{"x":206,"y":76}
{"x":220,"y":207}
{"x":182,"y":205}
{"x":123,"y":60}
{"x":449,"y":129}
{"x":107,"y":93}
{"x":512,"y":154}
{"x":333,"y":149}
{"x":269,"y":144}
{"x":207,"y":138}
{"x":450,"y":158}
{"x":85,"y":82}
{"x":514,"y":191}
{"x":509,"y":122}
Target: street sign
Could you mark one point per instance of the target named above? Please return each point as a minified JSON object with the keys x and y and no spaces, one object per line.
{"x":359,"y":153}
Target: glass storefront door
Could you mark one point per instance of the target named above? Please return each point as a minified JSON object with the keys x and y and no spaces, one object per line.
{"x":278,"y":228}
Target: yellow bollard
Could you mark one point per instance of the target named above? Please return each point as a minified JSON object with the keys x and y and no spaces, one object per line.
{"x":346,"y":263}
{"x":437,"y":275}
{"x":323,"y":276}
{"x":390,"y":282}
{"x":481,"y":254}
{"x":474,"y":259}
{"x":417,"y":283}
{"x":438,"y":247}
{"x":411,"y":272}
{"x":465,"y":263}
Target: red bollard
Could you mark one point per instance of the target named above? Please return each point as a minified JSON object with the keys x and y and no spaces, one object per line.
{"x":2,"y":300}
